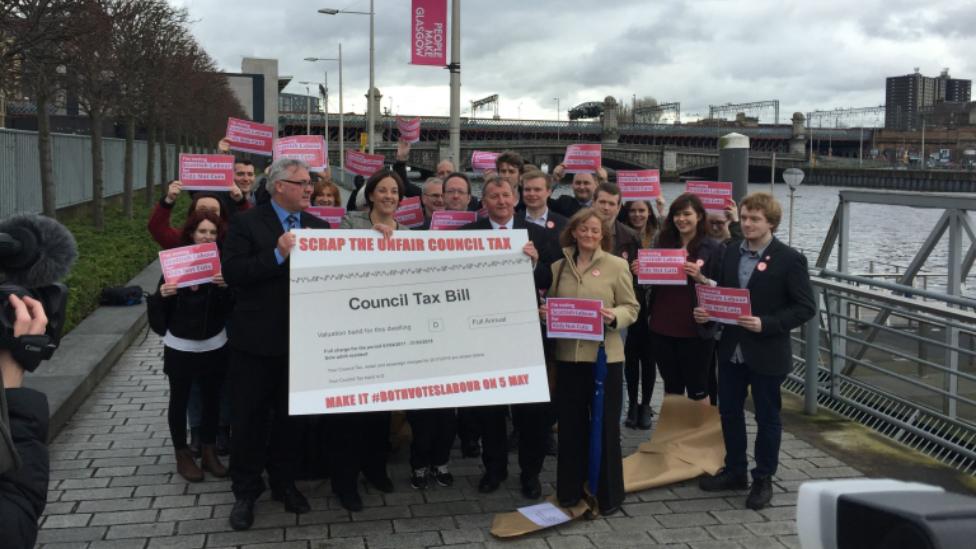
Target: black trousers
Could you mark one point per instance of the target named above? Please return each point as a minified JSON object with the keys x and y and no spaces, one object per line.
{"x":639,"y":365}
{"x":433,"y":435}
{"x":182,"y":370}
{"x":468,"y":425}
{"x":574,"y":403}
{"x":358,"y":443}
{"x":259,"y":386}
{"x":684,"y":363}
{"x":531,"y":420}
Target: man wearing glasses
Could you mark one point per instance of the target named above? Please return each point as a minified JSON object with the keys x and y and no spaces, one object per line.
{"x":255,"y":266}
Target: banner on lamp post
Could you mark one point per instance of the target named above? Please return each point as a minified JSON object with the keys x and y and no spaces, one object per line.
{"x":428,"y":32}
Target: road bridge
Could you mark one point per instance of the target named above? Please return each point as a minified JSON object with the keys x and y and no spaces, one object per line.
{"x":781,"y":139}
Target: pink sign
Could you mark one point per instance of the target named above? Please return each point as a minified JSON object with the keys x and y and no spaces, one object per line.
{"x":569,"y":318}
{"x":410,"y":213}
{"x":582,"y":158}
{"x":206,"y":172}
{"x":482,"y":212}
{"x":307,"y":148}
{"x":363,"y":164}
{"x":247,"y":136}
{"x":724,"y":305}
{"x":662,"y":266}
{"x":639,"y":184}
{"x":483,"y":160}
{"x":427,"y":31}
{"x":447,"y":220}
{"x":189,"y":265}
{"x":409,"y":129}
{"x":332,"y":214}
{"x":715,"y":195}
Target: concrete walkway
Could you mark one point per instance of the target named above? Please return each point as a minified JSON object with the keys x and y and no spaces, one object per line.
{"x":113,"y":484}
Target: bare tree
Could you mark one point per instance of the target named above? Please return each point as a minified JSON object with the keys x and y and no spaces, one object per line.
{"x":626,"y":110}
{"x":32,"y":34}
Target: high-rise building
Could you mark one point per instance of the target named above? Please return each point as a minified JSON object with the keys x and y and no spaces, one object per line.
{"x":906,"y":96}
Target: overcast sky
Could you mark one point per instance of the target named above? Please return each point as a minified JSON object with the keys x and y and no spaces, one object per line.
{"x":809,"y":55}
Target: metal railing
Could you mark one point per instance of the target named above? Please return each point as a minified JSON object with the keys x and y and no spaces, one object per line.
{"x":20,"y":179}
{"x":898,"y":359}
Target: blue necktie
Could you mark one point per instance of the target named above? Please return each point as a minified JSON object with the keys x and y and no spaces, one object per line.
{"x":292,"y":221}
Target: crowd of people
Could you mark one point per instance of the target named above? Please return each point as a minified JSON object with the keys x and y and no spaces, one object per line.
{"x":226,"y":342}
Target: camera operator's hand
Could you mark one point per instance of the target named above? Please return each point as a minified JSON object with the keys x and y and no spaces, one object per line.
{"x":29,"y":319}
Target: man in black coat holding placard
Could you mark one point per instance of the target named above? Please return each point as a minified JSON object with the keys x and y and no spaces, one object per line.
{"x":532,"y":419}
{"x":757,"y":351}
{"x":255,"y":266}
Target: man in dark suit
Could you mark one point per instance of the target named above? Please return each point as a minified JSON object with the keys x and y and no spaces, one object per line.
{"x":584,"y":187}
{"x":756,"y":352}
{"x":531,"y":420}
{"x":536,"y":190}
{"x":255,"y":265}
{"x":607,"y":202}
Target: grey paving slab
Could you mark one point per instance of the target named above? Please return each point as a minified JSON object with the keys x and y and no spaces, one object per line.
{"x":114,"y":485}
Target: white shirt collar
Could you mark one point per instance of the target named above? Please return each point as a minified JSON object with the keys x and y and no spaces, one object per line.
{"x":541,"y":220}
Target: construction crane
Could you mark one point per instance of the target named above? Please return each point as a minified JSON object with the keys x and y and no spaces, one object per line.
{"x":487,"y":103}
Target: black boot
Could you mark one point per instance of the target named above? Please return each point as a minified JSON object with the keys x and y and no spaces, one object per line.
{"x":631,"y":421}
{"x":644,"y":415}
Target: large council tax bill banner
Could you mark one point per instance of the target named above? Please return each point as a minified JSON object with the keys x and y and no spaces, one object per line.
{"x":426,"y":319}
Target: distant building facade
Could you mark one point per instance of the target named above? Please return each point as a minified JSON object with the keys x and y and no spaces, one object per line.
{"x":908,"y":96}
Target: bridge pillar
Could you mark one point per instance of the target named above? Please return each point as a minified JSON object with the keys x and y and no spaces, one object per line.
{"x":733,"y":163}
{"x":609,"y":122}
{"x":377,"y":118}
{"x":798,"y":142}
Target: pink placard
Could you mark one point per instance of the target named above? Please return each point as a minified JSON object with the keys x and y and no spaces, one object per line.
{"x":307,"y":148}
{"x":363,"y":164}
{"x":639,"y":184}
{"x":409,"y":129}
{"x":447,"y":220}
{"x":189,"y":265}
{"x":483,"y":160}
{"x":715,"y":195}
{"x":206,"y":172}
{"x":410,"y":213}
{"x":724,"y":305}
{"x":482,"y":212}
{"x":582,"y":157}
{"x":428,"y":29}
{"x":662,"y":266}
{"x":247,"y":136}
{"x":569,"y":318}
{"x":332,"y":214}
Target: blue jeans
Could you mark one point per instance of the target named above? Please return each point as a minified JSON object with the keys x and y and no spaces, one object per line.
{"x":734,"y":381}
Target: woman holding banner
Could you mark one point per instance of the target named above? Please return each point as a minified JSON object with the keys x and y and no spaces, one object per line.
{"x":382,"y":191}
{"x":683,"y":348}
{"x":639,"y":365}
{"x":195,"y":349}
{"x":588,"y":270}
{"x":360,"y":442}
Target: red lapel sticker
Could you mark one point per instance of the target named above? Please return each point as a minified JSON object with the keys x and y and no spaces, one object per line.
{"x":596,"y":272}
{"x":761,"y":266}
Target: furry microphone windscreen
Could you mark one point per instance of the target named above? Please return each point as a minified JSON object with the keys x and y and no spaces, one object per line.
{"x":47,"y":251}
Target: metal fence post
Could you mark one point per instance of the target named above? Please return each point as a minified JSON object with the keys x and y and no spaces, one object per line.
{"x":811,"y":355}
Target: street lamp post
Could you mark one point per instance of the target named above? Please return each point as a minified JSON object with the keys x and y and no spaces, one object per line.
{"x":342,"y":112}
{"x":308,"y":108}
{"x":371,"y":115}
